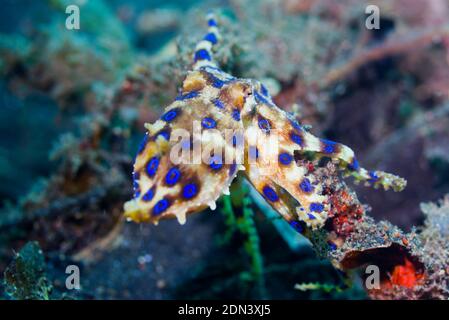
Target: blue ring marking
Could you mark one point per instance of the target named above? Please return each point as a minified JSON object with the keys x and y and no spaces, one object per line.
{"x":270,"y":194}
{"x":143,"y":144}
{"x":170,"y":115}
{"x":211,"y":38}
{"x":296,"y":138}
{"x":189,"y":191}
{"x":306,"y":186}
{"x":173,"y":176}
{"x":232,"y":169}
{"x":188,"y":95}
{"x":285,"y":158}
{"x":264,"y":125}
{"x":236,"y":114}
{"x":135,"y":185}
{"x":253,"y":152}
{"x":259,"y":98}
{"x":165,"y":134}
{"x":212,"y":23}
{"x":215,"y":163}
{"x":374,"y":177}
{"x":311,"y":216}
{"x":202,"y":54}
{"x":296,"y":125}
{"x":264,"y":90}
{"x":316,"y":207}
{"x":297,"y":226}
{"x":328,"y":146}
{"x":354,"y":165}
{"x":218,"y":103}
{"x":136,"y":175}
{"x":208,"y":123}
{"x":161,"y":206}
{"x":191,"y":94}
{"x":149,"y":195}
{"x":216,"y":83}
{"x":152,"y":166}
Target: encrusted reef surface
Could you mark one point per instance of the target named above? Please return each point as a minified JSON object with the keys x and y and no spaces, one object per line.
{"x":74,"y":105}
{"x":417,"y":262}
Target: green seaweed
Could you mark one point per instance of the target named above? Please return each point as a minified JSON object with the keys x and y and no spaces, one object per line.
{"x":245,"y":224}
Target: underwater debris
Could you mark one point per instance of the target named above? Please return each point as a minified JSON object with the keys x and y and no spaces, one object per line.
{"x":157,"y":20}
{"x":65,"y":64}
{"x":25,"y":277}
{"x":396,"y":45}
{"x":412,"y":265}
{"x":72,"y":201}
{"x":423,"y":138}
{"x":92,"y":160}
{"x":423,"y":271}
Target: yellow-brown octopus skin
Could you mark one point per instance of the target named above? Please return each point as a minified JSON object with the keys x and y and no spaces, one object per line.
{"x":219,"y":125}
